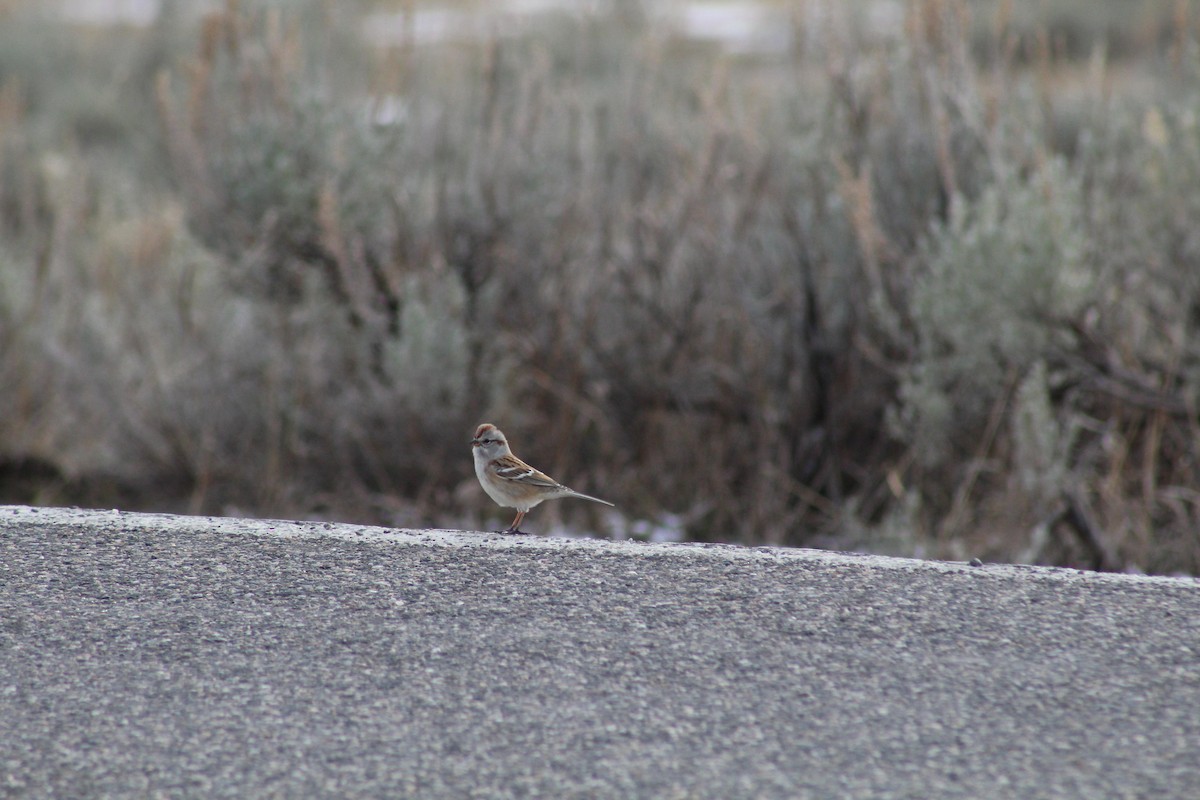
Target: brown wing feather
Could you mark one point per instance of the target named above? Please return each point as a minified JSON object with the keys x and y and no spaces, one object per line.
{"x":511,"y":468}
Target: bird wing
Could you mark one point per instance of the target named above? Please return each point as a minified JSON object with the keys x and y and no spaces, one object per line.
{"x":511,"y":468}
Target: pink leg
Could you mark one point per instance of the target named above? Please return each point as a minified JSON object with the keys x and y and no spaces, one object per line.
{"x":516,"y":523}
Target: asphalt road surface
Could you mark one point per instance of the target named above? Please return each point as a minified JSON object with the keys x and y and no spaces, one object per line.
{"x":157,"y":656}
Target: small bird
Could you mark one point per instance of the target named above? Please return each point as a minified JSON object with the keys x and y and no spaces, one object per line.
{"x":510,"y":481}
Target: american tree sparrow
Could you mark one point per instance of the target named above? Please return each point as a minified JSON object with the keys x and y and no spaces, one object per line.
{"x":510,"y":481}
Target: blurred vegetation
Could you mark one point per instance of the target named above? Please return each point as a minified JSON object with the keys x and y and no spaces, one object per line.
{"x":931,"y":291}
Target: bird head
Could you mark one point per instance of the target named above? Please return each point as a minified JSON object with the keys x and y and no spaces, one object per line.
{"x":489,"y":442}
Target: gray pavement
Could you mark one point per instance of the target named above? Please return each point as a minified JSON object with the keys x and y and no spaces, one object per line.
{"x":157,"y":656}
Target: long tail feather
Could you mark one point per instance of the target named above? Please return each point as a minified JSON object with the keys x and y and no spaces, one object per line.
{"x":583,"y":496}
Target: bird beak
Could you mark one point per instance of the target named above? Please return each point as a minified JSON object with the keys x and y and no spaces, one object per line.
{"x":474,"y":443}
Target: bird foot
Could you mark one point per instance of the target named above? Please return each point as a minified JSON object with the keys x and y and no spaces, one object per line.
{"x":512,"y":531}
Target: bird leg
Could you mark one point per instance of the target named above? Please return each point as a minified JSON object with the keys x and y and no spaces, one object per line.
{"x":515,"y":527}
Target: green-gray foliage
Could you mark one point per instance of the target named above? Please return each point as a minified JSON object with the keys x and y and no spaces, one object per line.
{"x":873,"y":293}
{"x":1003,"y":273}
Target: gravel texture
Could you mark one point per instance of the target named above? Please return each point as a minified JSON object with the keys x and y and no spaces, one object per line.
{"x":159,"y":656}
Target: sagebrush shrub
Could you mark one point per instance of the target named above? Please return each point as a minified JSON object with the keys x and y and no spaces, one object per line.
{"x":1003,"y":273}
{"x":882,"y":292}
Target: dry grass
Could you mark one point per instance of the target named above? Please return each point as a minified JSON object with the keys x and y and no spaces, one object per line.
{"x":922,"y":295}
